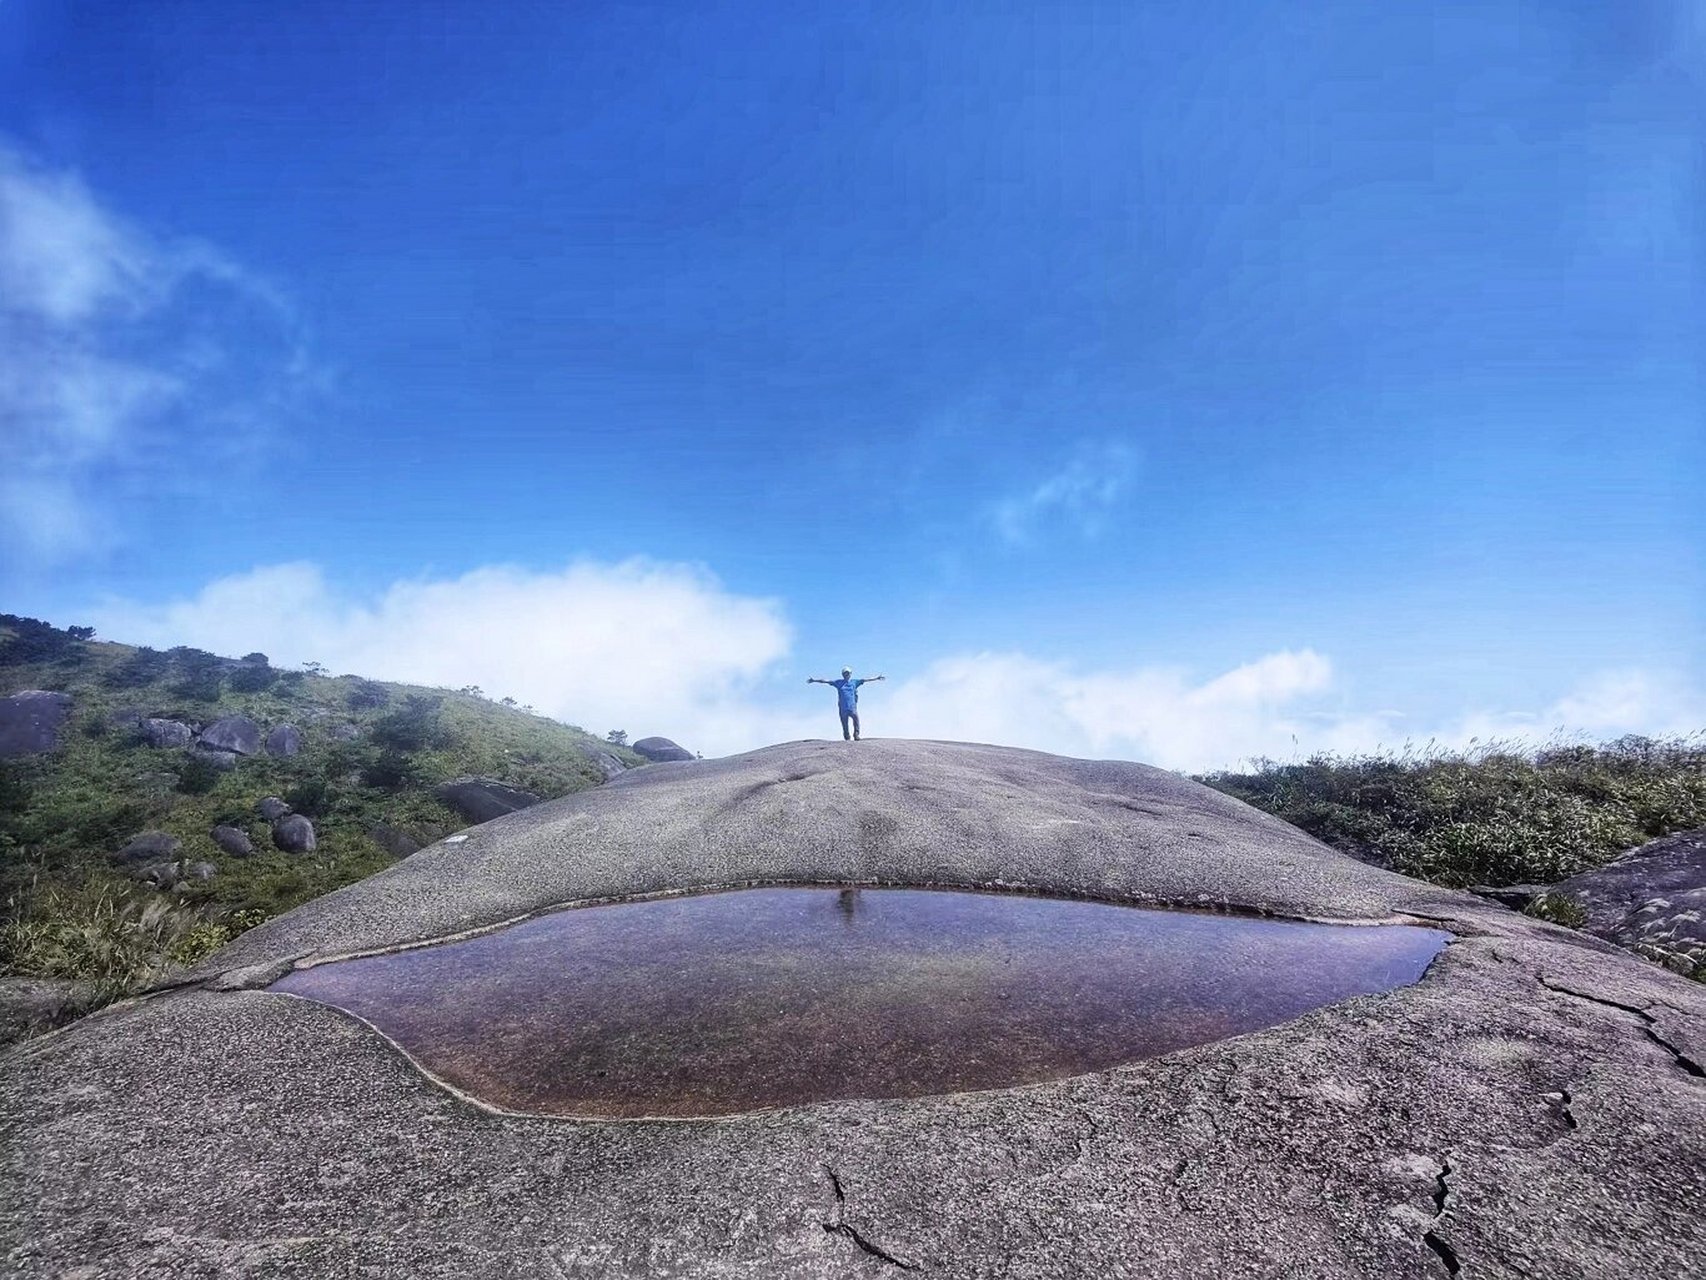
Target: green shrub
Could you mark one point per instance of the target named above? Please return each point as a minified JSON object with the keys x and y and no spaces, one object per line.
{"x":415,"y":726}
{"x":1559,"y":908}
{"x":1494,"y":815}
{"x":251,"y":677}
{"x":197,"y":775}
{"x":200,"y":675}
{"x":143,"y":667}
{"x":391,"y":771}
{"x":312,"y":797}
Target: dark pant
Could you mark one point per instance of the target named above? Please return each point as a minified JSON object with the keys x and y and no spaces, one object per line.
{"x":850,"y":716}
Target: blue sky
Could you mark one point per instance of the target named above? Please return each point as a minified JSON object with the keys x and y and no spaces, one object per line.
{"x":1063,"y":361}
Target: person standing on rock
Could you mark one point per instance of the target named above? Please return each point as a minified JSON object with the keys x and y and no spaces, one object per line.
{"x":847,"y":694}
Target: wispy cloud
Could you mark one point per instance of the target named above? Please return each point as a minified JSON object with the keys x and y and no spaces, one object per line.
{"x":120,"y":352}
{"x":1079,"y":496}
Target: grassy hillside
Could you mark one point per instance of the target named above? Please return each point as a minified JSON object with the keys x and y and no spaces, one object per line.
{"x":1498,"y":815}
{"x":371,"y":754}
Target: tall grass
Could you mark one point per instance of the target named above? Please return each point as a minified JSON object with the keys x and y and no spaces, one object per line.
{"x":112,"y":940}
{"x":1499,"y":813}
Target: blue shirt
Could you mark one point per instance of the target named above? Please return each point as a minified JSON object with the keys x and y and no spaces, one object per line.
{"x":847,"y":689}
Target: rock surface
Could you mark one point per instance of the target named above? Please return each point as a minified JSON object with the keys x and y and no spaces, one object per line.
{"x":147,"y":847}
{"x":30,"y":722}
{"x":166,"y":733}
{"x":400,"y":842}
{"x":1651,"y":899}
{"x":272,"y":808}
{"x":661,"y":750}
{"x":233,"y":733}
{"x":1534,"y":1105}
{"x":482,"y":799}
{"x":293,"y":834}
{"x":233,"y":841}
{"x":224,"y":761}
{"x":284,"y":741}
{"x":606,"y":763}
{"x":30,"y":1006}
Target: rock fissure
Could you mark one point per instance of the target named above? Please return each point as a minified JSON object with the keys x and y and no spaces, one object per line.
{"x":1431,"y":1237}
{"x":839,"y":1226}
{"x":1649,"y":1025}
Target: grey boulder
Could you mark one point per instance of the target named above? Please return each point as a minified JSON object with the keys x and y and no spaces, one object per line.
{"x":166,"y":733}
{"x":30,"y":1006}
{"x":224,"y":761}
{"x":1651,"y":899}
{"x":233,"y":733}
{"x":30,"y":722}
{"x":293,"y":833}
{"x":272,"y":808}
{"x":482,"y":799}
{"x":233,"y":841}
{"x":400,"y":842}
{"x":285,"y":741}
{"x":661,"y":750}
{"x":606,"y":764}
{"x":148,"y":846}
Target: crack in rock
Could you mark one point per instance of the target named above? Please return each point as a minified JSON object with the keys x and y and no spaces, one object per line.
{"x":839,"y":1226}
{"x":1649,"y":1024}
{"x":1562,"y":1100}
{"x":1441,"y":1196}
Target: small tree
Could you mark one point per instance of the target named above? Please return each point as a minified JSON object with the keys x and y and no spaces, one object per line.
{"x":618,"y":737}
{"x":314,"y":668}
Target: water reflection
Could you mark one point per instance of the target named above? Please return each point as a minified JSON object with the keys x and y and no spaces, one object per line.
{"x":729,"y":1002}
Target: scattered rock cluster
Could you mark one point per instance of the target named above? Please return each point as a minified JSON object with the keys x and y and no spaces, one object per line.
{"x":152,"y":856}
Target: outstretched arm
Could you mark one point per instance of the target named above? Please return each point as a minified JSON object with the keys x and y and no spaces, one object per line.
{"x":815,"y":680}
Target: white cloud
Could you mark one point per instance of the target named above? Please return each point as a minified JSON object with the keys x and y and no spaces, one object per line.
{"x":104,"y":371}
{"x":646,"y":647}
{"x":1080,"y":494}
{"x":665,"y":648}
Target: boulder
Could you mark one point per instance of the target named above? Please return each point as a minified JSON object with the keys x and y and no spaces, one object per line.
{"x":224,"y":761}
{"x":272,"y":808}
{"x":608,"y":765}
{"x":1532,"y":1105}
{"x":400,"y":842}
{"x":660,"y":750}
{"x":233,"y":733}
{"x":233,"y":841}
{"x":1651,"y":899}
{"x":30,"y":722}
{"x":30,"y":1006}
{"x":162,"y":875}
{"x":149,"y":846}
{"x":293,"y":833}
{"x":482,"y":799}
{"x":199,"y":870}
{"x":285,"y":740}
{"x":166,"y":733}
